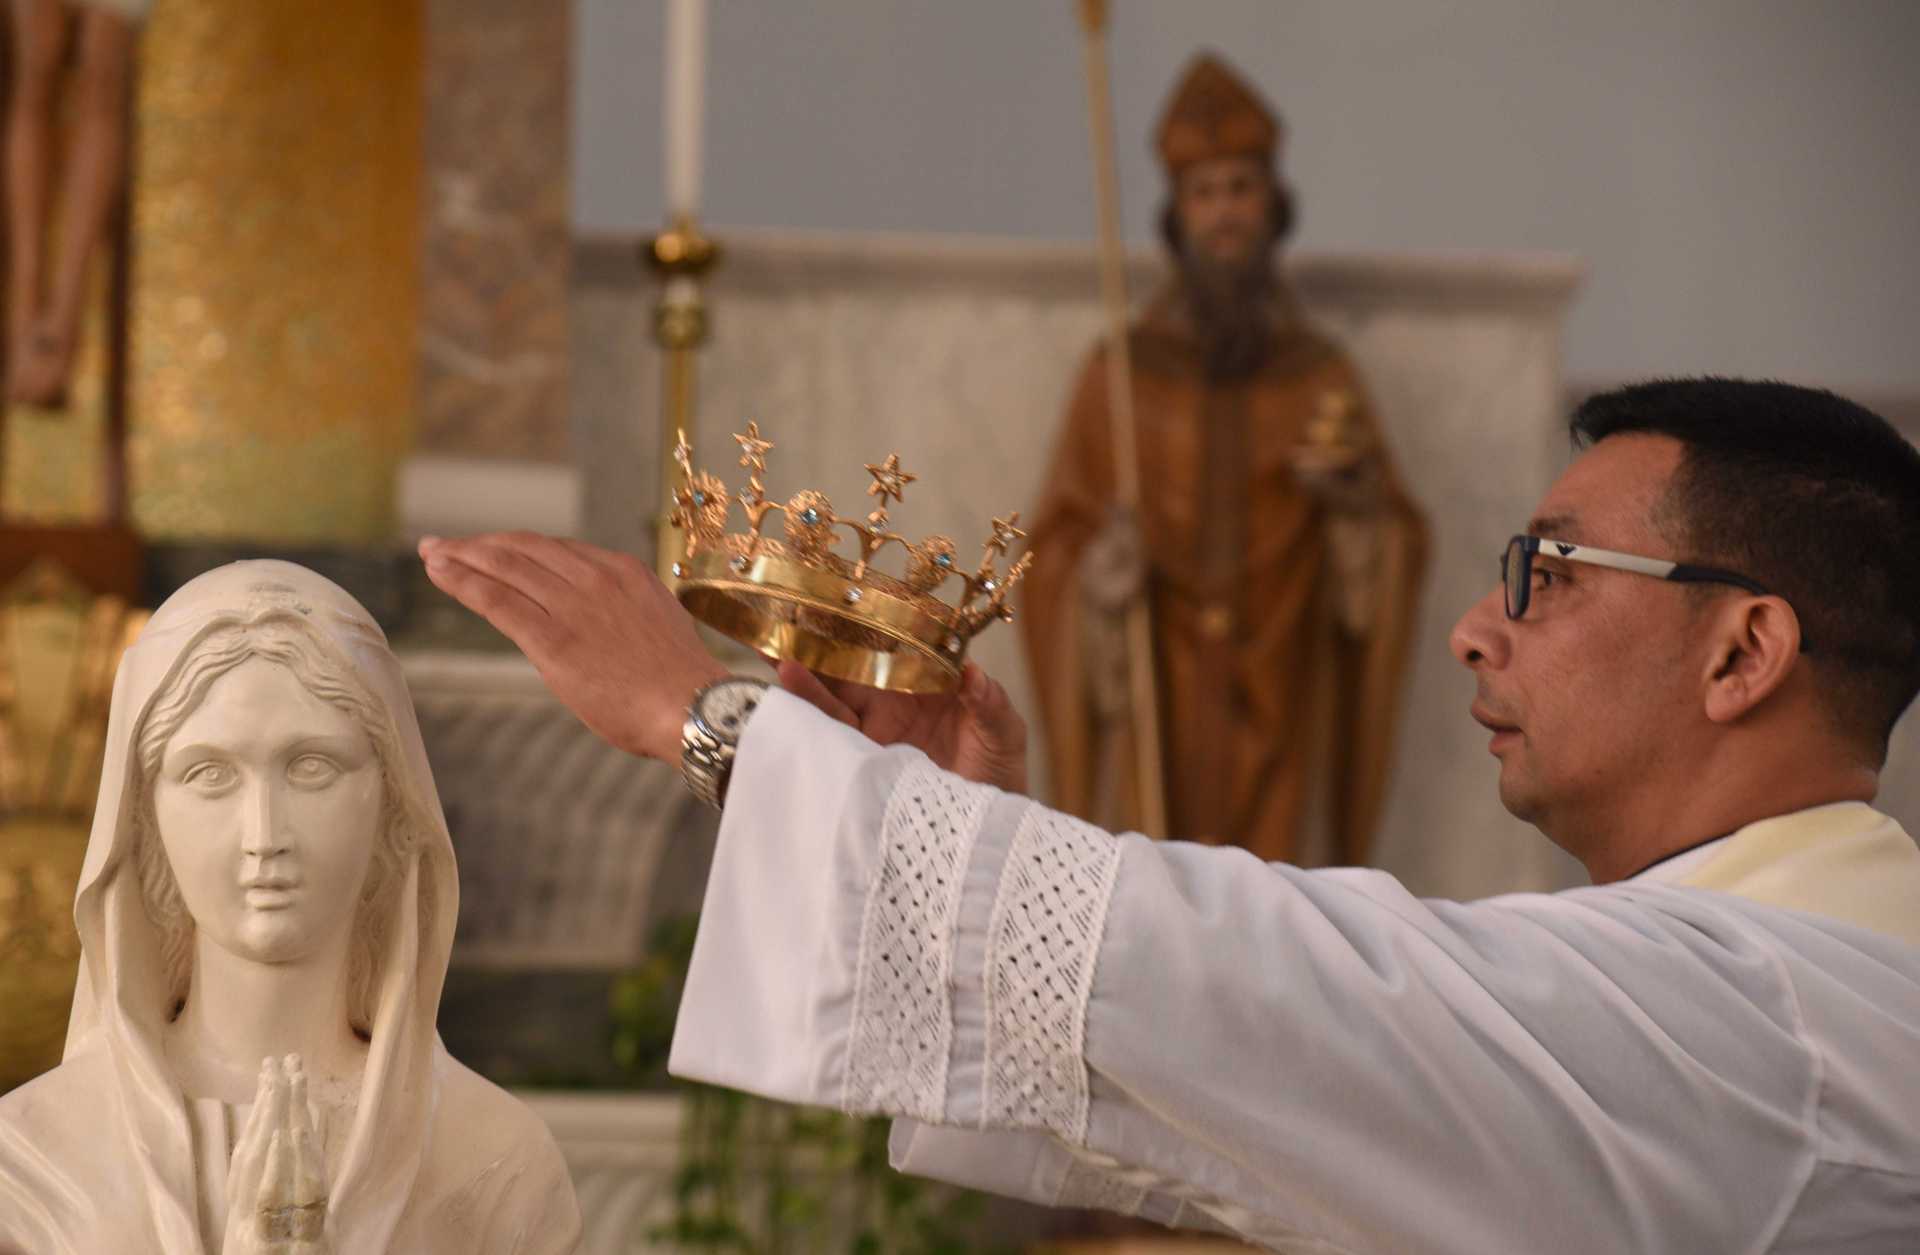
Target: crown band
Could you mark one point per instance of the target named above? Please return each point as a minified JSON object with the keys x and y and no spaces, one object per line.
{"x":783,"y":609}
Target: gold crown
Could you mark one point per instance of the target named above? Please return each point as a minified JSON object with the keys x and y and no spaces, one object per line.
{"x":797,"y":599}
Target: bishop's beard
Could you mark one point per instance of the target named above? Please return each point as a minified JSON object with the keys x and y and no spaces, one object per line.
{"x":1232,"y":305}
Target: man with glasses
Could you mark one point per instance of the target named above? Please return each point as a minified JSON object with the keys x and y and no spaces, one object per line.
{"x":1690,"y":669}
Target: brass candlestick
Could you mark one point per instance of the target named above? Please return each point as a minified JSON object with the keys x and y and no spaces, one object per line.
{"x":681,"y":256}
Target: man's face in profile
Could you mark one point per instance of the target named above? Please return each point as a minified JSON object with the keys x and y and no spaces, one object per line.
{"x":1224,"y":206}
{"x":1601,"y":679}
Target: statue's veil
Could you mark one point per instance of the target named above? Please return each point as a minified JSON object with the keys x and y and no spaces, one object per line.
{"x":123,"y":997}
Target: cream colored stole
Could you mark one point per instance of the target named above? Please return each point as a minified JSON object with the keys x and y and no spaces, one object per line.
{"x":1845,"y":861}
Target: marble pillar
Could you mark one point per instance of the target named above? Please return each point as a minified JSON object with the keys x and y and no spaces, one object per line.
{"x":493,"y":314}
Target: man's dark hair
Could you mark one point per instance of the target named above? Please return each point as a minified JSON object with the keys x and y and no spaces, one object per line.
{"x":1815,"y":497}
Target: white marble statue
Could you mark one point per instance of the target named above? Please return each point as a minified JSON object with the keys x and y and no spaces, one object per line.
{"x":265,"y":915}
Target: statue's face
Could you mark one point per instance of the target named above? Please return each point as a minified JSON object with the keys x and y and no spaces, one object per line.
{"x":1223,"y":207}
{"x":269,"y":803}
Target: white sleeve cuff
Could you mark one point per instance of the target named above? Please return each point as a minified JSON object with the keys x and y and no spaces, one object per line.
{"x":769,"y":992}
{"x":882,"y":936}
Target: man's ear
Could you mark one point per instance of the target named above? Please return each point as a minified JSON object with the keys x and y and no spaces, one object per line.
{"x":1756,"y":644}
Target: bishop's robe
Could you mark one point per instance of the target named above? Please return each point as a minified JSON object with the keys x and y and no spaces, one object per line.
{"x":1280,"y":621}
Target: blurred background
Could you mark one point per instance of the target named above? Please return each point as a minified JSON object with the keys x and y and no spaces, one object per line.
{"x":1735,"y":175}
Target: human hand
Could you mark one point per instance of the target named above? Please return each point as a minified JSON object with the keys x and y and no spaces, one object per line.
{"x":1113,"y":568}
{"x":606,"y":635}
{"x":276,"y":1180}
{"x":973,"y":732}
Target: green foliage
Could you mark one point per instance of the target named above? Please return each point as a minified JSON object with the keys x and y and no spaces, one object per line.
{"x":768,"y":1178}
{"x":645,"y":1001}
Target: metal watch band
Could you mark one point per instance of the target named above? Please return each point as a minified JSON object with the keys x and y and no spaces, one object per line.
{"x":705,"y":763}
{"x":706,"y":752}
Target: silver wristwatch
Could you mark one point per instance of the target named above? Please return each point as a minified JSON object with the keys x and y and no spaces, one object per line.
{"x":712,"y":731}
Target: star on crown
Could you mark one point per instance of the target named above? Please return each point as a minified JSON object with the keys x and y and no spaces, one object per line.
{"x":889,"y":480}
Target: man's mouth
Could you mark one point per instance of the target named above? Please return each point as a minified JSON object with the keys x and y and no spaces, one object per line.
{"x":1504,"y":731}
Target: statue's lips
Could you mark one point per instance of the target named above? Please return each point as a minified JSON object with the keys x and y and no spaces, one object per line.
{"x":271,"y":895}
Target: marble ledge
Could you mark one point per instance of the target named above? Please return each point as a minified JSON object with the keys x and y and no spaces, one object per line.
{"x":1526,"y":283}
{"x":464,"y":672}
{"x":456,"y":496}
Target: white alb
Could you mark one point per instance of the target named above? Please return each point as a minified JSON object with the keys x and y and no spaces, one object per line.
{"x":1718,"y":1056}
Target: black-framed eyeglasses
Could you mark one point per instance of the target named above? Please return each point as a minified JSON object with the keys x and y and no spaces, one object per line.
{"x":1516,"y":569}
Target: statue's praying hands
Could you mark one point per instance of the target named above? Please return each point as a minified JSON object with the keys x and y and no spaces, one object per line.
{"x":276,"y":1183}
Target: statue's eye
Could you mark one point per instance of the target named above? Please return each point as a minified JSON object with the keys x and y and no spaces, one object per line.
{"x":312,"y":769}
{"x":209,"y":777}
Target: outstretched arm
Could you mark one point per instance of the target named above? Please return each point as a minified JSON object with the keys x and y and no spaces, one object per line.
{"x":616,"y":647}
{"x":599,"y":626}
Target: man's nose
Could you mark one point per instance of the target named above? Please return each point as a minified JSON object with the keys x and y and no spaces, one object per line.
{"x":263,"y":834}
{"x":1480,"y":637}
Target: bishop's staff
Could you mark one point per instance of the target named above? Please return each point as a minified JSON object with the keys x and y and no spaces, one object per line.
{"x":1143,"y":707}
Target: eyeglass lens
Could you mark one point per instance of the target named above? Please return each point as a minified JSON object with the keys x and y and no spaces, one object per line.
{"x":1514,"y":574}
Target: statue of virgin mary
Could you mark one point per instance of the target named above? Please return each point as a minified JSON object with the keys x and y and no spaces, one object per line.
{"x":269,"y":874}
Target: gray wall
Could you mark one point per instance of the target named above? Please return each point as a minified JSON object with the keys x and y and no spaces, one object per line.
{"x":1740,"y":173}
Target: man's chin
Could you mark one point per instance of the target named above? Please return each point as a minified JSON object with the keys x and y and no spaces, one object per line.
{"x":1522,"y":802}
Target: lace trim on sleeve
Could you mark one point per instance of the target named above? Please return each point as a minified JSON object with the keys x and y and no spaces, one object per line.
{"x":903,"y":1005}
{"x":1042,"y":942}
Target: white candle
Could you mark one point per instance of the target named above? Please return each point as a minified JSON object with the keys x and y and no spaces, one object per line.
{"x":686,"y":56}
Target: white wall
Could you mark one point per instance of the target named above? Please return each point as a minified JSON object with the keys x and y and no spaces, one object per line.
{"x":1740,"y":173}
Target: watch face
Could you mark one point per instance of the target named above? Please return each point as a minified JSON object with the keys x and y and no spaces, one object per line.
{"x":724,"y":707}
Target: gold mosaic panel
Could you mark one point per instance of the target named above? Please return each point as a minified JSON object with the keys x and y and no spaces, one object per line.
{"x":40,"y":860}
{"x":275,"y":290}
